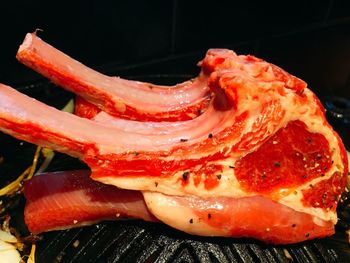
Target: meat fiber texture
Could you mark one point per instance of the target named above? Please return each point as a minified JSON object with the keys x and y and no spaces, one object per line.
{"x":59,"y":200}
{"x":259,"y":148}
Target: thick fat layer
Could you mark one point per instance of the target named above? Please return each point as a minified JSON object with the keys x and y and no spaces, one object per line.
{"x":69,"y":199}
{"x":232,"y":217}
{"x":120,"y":97}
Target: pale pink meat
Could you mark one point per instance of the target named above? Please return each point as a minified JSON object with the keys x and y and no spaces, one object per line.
{"x":60,"y":200}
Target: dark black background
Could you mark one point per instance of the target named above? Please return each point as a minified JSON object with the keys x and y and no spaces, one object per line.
{"x":309,"y":38}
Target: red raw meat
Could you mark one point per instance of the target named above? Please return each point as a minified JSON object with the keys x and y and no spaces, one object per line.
{"x":85,"y":109}
{"x":264,"y":135}
{"x":115,"y":95}
{"x":122,"y":98}
{"x":62,"y":200}
{"x":217,"y":59}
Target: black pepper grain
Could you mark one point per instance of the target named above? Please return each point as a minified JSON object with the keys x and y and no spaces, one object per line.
{"x":185,"y":175}
{"x":277,"y":164}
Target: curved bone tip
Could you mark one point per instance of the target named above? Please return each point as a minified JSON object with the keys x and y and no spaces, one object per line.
{"x":26,"y":42}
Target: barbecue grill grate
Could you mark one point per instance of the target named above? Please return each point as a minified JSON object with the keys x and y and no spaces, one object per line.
{"x":136,"y":241}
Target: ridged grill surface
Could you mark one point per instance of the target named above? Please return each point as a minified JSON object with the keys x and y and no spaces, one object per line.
{"x":136,"y":241}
